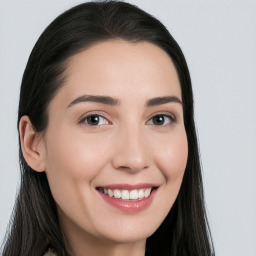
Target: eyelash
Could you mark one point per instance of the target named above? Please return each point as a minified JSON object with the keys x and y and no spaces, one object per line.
{"x":82,"y":121}
{"x":172,"y":119}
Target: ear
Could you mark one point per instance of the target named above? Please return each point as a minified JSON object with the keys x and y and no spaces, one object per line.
{"x":32,"y":145}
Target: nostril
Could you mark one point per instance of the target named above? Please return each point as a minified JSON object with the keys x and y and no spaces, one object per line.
{"x":123,"y":167}
{"x":133,"y":169}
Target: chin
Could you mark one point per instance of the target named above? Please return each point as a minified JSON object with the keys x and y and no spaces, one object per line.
{"x":130,"y":232}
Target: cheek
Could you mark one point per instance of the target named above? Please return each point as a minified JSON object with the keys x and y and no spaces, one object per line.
{"x":171,"y":159}
{"x":172,"y":156}
{"x":75,"y":155}
{"x":73,"y":161}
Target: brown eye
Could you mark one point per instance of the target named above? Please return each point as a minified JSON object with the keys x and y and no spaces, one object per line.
{"x":161,"y":120}
{"x":94,"y":120}
{"x":158,"y":120}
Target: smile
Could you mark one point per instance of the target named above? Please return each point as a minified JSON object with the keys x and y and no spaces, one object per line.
{"x":124,"y":194}
{"x":128,"y":198}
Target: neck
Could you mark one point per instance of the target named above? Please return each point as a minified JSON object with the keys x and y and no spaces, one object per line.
{"x":95,"y":247}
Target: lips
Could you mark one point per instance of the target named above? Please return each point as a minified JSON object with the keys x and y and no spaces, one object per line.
{"x":128,"y":198}
{"x":124,"y":194}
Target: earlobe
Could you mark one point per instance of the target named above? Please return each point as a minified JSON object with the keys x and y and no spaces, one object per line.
{"x":32,"y":145}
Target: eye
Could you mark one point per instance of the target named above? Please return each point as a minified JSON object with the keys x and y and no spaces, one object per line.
{"x":162,"y":120}
{"x":94,"y":120}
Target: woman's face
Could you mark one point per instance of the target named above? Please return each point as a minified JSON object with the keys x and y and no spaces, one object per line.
{"x":116,"y":130}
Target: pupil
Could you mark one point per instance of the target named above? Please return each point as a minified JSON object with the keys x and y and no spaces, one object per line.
{"x":93,"y":120}
{"x":158,"y":120}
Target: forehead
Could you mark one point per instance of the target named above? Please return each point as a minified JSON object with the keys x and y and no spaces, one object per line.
{"x":121,"y":69}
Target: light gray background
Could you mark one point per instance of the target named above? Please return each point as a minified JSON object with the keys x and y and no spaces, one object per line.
{"x":218,"y":39}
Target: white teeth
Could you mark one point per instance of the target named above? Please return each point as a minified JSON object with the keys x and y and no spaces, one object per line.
{"x":141,"y":193}
{"x":124,"y":194}
{"x":134,"y":194}
{"x":147,"y":192}
{"x":110,"y":192}
{"x":117,"y":193}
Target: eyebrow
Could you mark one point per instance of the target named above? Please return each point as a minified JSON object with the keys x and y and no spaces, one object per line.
{"x":162,"y":100}
{"x":114,"y":102}
{"x":95,"y":98}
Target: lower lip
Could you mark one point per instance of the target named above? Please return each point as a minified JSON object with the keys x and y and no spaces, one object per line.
{"x":129,"y":206}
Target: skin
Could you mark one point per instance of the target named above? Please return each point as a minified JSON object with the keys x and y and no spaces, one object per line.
{"x":126,"y":147}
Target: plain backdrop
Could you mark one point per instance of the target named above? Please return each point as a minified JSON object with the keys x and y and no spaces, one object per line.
{"x":218,"y":39}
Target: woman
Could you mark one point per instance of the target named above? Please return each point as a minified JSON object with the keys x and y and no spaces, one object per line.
{"x":108,"y":149}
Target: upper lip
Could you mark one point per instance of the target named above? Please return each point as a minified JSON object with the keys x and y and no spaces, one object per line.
{"x":129,"y":186}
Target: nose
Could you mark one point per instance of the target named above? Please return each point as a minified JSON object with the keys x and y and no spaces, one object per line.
{"x":131,"y":151}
